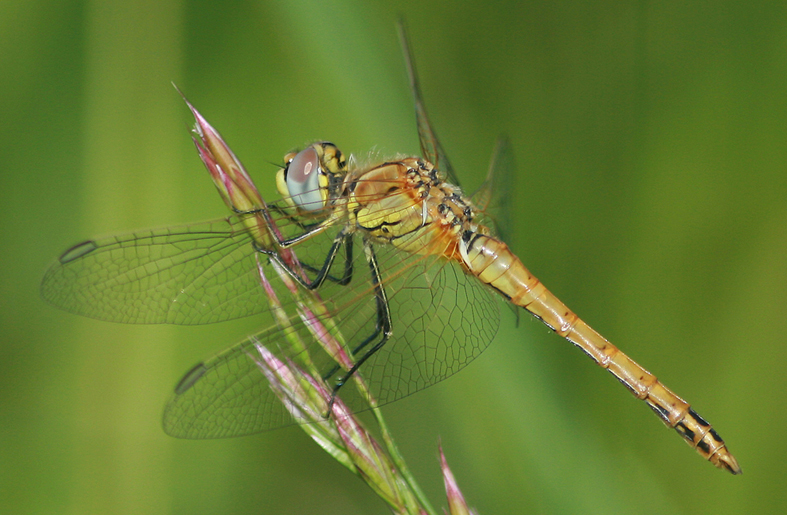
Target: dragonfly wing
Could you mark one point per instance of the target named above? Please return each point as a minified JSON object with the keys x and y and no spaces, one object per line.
{"x":494,"y":197}
{"x":192,"y":274}
{"x":442,"y":320}
{"x":431,"y":149}
{"x":226,"y":396}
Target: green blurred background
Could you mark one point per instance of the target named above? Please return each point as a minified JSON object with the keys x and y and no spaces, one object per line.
{"x":651,"y":140}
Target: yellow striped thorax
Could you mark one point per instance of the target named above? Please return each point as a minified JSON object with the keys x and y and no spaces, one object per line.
{"x":407,"y":203}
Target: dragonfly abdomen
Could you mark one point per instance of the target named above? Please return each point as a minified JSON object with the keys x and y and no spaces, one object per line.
{"x":494,"y":264}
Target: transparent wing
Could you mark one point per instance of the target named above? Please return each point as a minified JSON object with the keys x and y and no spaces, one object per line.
{"x":192,"y":274}
{"x":442,"y":320}
{"x":431,"y":149}
{"x":494,"y":197}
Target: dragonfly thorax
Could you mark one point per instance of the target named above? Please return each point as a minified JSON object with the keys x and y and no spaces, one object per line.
{"x":407,"y":204}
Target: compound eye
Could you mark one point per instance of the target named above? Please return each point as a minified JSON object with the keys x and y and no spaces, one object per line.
{"x":303,"y":180}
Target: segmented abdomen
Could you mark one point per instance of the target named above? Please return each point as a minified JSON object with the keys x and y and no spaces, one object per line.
{"x":494,"y":264}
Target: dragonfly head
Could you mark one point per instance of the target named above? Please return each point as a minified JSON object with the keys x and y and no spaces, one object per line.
{"x":308,"y":176}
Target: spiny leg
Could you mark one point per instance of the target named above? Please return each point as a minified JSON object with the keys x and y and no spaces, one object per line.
{"x":378,"y":327}
{"x":342,"y":239}
{"x":383,"y":325}
{"x":275,"y":208}
{"x":309,"y":230}
{"x":348,"y":266}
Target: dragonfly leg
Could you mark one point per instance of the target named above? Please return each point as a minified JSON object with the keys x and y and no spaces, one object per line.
{"x":358,"y":348}
{"x":343,"y":239}
{"x":309,"y":230}
{"x":384,"y":323}
{"x":348,"y":266}
{"x":275,"y":208}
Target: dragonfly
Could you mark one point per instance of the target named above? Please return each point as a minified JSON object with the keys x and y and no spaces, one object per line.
{"x":418,"y":303}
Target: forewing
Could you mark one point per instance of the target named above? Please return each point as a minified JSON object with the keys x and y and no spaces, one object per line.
{"x":192,"y":274}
